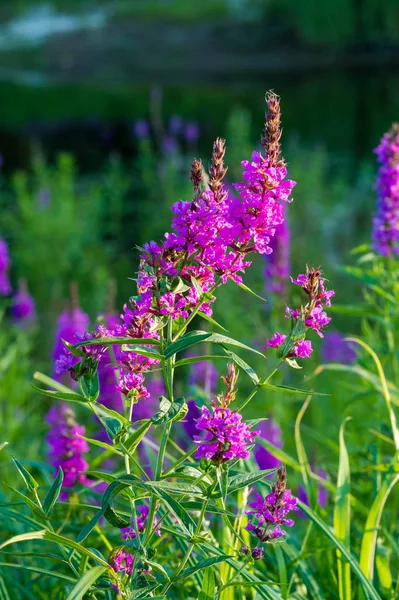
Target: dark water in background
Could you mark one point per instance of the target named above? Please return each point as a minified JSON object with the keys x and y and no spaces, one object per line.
{"x":345,"y":111}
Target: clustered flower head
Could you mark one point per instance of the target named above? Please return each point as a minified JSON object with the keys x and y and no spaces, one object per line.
{"x":226,"y":435}
{"x":66,"y":446}
{"x":122,"y":561}
{"x":270,"y":512}
{"x":386,"y":220}
{"x":211,"y":239}
{"x":311,"y":316}
{"x":5,"y":286}
{"x":129,"y":533}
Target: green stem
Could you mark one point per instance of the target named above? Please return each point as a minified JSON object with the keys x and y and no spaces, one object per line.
{"x":229,"y":582}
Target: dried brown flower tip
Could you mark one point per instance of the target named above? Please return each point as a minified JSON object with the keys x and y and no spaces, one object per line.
{"x":217,"y":170}
{"x":272,"y":133}
{"x":230,"y":380}
{"x":281,"y":482}
{"x":196,"y":174}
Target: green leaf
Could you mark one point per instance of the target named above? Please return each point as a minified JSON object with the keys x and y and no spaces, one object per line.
{"x":88,"y":528}
{"x":100,"y":444}
{"x":36,"y":509}
{"x":118,"y":341}
{"x":208,"y":585}
{"x":203,"y":564}
{"x":186,"y":341}
{"x":40,"y":570}
{"x":217,"y":338}
{"x":210,"y":320}
{"x":142,"y":351}
{"x":30,"y":482}
{"x":292,"y":363}
{"x":367,"y":586}
{"x":56,"y":385}
{"x":186,"y":521}
{"x":115,"y":520}
{"x":49,"y":536}
{"x":90,"y":386}
{"x":85,"y":583}
{"x":242,"y":364}
{"x":53,"y":493}
{"x":3,"y":590}
{"x":342,"y":517}
{"x":194,"y":359}
{"x":70,"y":396}
{"x":211,"y":508}
{"x":369,"y":540}
{"x":135,"y":438}
{"x":247,"y":289}
{"x":237,"y":482}
{"x":170,"y":411}
{"x":289,"y":390}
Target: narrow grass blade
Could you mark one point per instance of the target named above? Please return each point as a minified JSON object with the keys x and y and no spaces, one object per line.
{"x":342,"y":517}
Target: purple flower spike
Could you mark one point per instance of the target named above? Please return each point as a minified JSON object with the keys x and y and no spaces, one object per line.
{"x":5,"y":286}
{"x":23,"y":305}
{"x":141,"y":129}
{"x":386,"y":220}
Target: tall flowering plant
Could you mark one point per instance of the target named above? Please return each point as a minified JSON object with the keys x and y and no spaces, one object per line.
{"x":212,"y":240}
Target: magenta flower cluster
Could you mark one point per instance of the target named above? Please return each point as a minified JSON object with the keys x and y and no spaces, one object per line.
{"x":210,"y":242}
{"x":226,"y":435}
{"x":270,"y":513}
{"x":386,"y":220}
{"x":122,"y":562}
{"x":312,"y":316}
{"x":66,"y":446}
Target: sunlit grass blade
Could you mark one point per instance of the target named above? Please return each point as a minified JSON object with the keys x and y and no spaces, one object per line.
{"x":342,"y":517}
{"x":369,"y":540}
{"x":85,"y":583}
{"x":366,"y":584}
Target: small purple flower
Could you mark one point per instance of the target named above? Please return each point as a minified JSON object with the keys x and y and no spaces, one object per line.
{"x":271,"y":511}
{"x":226,"y":435}
{"x":122,"y":562}
{"x":336,"y":349}
{"x":244,"y":550}
{"x":169,"y":145}
{"x":141,"y":129}
{"x":270,"y":431}
{"x":257,"y":553}
{"x":275,"y":341}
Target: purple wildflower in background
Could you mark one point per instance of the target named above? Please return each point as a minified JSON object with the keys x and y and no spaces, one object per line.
{"x":386,"y":220}
{"x":257,"y":553}
{"x":277,"y":264}
{"x":129,"y":533}
{"x":44,"y":198}
{"x":270,"y":431}
{"x":169,"y":145}
{"x":336,"y":349}
{"x":226,"y":435}
{"x":23,"y":305}
{"x":271,"y":512}
{"x":5,"y":286}
{"x":175,"y":125}
{"x":141,"y":129}
{"x":66,"y":447}
{"x":191,"y":132}
{"x":204,"y":375}
{"x":322,"y":494}
{"x":69,"y":323}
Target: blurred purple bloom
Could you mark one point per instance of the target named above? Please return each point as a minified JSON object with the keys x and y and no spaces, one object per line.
{"x":336,"y":349}
{"x":191,"y":132}
{"x":5,"y":286}
{"x":169,"y":145}
{"x":141,"y":129}
{"x":23,"y":305}
{"x":386,"y":221}
{"x":270,"y":431}
{"x":142,"y":510}
{"x":66,"y":445}
{"x":44,"y":198}
{"x":204,"y":375}
{"x":322,"y":494}
{"x":175,"y":125}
